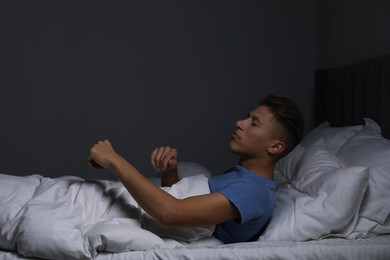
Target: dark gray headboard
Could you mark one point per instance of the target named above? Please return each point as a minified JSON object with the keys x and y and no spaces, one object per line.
{"x":345,"y":95}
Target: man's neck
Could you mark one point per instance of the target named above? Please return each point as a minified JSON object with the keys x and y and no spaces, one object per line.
{"x":260,"y":168}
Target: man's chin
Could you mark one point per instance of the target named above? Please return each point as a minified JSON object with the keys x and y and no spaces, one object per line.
{"x":233,"y":147}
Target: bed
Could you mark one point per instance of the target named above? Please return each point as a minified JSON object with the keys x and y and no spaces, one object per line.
{"x":332,"y":200}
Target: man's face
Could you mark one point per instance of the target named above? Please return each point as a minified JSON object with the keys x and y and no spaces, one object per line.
{"x":254,"y":134}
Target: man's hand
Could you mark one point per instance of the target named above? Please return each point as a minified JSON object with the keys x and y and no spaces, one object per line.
{"x":164,"y":158}
{"x":101,"y":155}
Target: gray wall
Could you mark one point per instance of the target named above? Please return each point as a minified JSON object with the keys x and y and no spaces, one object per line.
{"x":351,"y":31}
{"x":144,"y":74}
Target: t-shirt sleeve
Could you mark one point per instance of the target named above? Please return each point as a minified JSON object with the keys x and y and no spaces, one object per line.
{"x":250,"y":198}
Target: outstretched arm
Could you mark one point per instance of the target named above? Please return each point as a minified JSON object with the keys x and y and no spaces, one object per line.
{"x":201,"y":210}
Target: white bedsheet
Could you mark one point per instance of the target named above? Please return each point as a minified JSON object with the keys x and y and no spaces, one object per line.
{"x":377,"y":248}
{"x":70,"y":218}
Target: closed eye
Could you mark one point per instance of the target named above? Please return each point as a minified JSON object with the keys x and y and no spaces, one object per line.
{"x":254,"y":120}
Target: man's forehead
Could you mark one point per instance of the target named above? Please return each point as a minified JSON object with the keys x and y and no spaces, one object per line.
{"x":263,"y":111}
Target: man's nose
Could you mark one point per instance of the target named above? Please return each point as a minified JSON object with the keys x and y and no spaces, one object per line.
{"x":240,"y":123}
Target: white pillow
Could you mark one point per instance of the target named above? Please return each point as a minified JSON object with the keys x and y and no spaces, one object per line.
{"x":322,"y":200}
{"x":334,"y":137}
{"x":286,"y":166}
{"x":368,"y":228}
{"x":316,"y":161}
{"x":370,"y":149}
{"x":187,"y":169}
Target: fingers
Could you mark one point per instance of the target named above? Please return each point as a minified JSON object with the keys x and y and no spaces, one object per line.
{"x":163,"y":158}
{"x":103,"y":143}
{"x":95,"y":165}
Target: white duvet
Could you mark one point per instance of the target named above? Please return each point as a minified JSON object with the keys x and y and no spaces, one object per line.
{"x":72,"y":218}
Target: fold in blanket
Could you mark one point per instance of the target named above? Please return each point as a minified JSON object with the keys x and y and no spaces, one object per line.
{"x":72,"y":218}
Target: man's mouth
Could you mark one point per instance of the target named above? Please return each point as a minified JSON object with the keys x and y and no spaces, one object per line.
{"x":235,"y":135}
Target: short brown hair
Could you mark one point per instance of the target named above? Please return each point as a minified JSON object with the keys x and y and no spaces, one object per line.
{"x":289,"y":116}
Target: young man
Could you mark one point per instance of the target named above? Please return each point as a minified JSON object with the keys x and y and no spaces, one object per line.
{"x":242,"y":200}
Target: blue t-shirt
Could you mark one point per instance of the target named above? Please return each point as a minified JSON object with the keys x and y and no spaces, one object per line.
{"x":252,"y":195}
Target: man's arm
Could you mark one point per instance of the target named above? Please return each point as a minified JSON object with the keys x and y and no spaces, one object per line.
{"x":203,"y":210}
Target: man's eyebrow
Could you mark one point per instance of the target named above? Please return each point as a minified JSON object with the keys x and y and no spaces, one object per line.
{"x":253,"y":117}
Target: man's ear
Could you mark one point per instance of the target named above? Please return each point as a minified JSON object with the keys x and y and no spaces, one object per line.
{"x":277,"y":147}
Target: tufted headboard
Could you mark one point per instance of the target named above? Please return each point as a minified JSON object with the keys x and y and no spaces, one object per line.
{"x":345,"y":95}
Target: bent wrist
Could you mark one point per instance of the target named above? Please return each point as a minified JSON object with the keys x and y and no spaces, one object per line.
{"x":114,"y":162}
